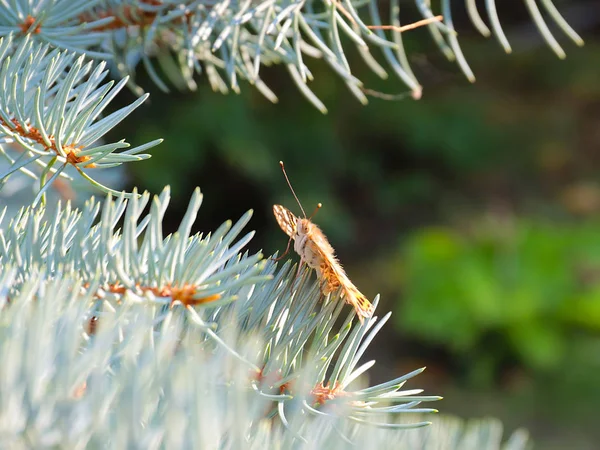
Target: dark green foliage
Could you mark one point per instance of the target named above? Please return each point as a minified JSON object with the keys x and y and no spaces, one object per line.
{"x":523,"y":287}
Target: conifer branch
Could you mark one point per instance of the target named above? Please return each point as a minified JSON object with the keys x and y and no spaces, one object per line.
{"x":101,"y":342}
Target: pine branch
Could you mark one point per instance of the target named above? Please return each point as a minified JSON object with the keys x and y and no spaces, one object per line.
{"x":182,"y":341}
{"x":51,"y":99}
{"x":230,"y":41}
{"x":50,"y":104}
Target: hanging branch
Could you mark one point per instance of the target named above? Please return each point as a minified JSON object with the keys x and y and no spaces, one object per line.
{"x":229,"y":41}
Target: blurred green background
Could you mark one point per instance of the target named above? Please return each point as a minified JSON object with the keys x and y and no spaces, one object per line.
{"x":475,"y":211}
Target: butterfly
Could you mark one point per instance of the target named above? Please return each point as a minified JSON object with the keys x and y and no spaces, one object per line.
{"x":316,"y":251}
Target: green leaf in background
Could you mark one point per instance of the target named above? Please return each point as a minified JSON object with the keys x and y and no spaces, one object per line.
{"x":521,"y":283}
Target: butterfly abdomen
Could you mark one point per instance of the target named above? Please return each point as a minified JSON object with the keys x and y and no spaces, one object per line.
{"x":331,"y":282}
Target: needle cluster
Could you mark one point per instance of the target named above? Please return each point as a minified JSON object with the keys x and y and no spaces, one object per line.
{"x":113,"y":335}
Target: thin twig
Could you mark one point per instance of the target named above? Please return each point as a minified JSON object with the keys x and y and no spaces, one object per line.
{"x":410,"y":26}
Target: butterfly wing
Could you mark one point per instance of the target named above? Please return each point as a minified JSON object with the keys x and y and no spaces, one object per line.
{"x":286,"y":220}
{"x":351,"y":294}
{"x":334,"y":277}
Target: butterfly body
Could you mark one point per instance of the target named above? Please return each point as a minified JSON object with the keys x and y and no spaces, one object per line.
{"x":310,"y":243}
{"x":316,"y":251}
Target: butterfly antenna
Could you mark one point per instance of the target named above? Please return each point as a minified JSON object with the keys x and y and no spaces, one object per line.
{"x":291,"y":188}
{"x":319,"y":206}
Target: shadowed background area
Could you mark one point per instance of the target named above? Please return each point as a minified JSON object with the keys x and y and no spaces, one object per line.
{"x":474,"y":212}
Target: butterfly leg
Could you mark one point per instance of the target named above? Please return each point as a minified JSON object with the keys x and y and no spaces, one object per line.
{"x":287,"y":250}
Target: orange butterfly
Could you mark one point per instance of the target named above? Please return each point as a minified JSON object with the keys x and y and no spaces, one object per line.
{"x":314,"y":249}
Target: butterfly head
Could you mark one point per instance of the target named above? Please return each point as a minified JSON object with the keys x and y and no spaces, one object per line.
{"x":294,"y":226}
{"x":303,"y":226}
